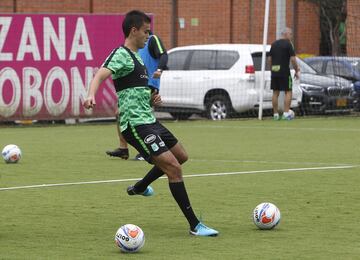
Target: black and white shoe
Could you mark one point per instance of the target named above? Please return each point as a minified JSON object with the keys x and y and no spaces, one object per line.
{"x":139,"y":157}
{"x":122,"y":153}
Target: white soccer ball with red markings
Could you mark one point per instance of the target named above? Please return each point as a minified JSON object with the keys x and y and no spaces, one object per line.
{"x":266,"y":215}
{"x":130,"y":238}
{"x":11,"y":153}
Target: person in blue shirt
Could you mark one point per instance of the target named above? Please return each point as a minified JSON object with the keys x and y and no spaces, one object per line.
{"x":155,"y":58}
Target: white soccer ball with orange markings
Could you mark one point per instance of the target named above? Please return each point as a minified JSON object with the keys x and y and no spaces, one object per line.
{"x":130,"y":238}
{"x":266,"y":215}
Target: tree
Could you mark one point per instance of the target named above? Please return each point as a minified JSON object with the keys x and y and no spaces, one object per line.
{"x":332,"y":15}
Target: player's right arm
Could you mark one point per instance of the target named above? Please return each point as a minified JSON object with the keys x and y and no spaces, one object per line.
{"x":293,"y":60}
{"x":269,"y":62}
{"x":99,"y":77}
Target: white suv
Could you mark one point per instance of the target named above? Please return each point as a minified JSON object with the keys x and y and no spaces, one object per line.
{"x":217,"y":80}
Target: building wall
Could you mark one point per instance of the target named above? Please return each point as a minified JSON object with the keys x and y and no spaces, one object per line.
{"x":308,"y":28}
{"x":204,"y":22}
{"x":7,"y":6}
{"x":216,"y":21}
{"x":353,"y":28}
{"x":160,"y":9}
{"x":52,"y":6}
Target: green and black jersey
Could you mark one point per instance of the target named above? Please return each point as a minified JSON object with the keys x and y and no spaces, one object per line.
{"x":130,"y":79}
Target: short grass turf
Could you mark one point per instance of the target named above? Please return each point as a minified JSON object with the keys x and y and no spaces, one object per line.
{"x":319,"y":207}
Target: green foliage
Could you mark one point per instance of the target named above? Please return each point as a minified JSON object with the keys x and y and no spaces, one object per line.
{"x":319,"y":207}
{"x":332,"y":14}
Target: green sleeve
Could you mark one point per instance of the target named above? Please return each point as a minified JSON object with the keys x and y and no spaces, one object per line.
{"x":119,"y":62}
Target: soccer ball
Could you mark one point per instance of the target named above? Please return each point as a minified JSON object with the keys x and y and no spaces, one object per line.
{"x":292,"y":113}
{"x":130,"y":238}
{"x":266,"y":215}
{"x":11,"y":153}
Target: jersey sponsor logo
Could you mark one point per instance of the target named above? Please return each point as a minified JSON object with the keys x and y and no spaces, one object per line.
{"x":275,"y":68}
{"x":162,"y":144}
{"x":149,"y":138}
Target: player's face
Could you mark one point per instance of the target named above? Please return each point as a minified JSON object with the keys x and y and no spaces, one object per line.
{"x":142,"y":35}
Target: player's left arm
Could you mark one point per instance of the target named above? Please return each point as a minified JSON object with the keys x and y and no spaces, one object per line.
{"x":155,"y":99}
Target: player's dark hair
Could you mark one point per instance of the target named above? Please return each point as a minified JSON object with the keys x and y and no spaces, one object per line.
{"x":135,"y":19}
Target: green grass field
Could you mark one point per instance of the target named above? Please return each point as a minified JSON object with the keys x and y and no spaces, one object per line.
{"x":292,"y":164}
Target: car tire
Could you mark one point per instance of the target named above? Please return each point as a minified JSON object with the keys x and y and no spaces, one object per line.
{"x":180,"y":115}
{"x":218,"y":107}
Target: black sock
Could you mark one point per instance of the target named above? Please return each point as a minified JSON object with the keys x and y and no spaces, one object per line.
{"x":151,"y":176}
{"x":180,"y":195}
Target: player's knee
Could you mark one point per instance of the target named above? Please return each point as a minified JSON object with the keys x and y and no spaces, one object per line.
{"x":180,"y":153}
{"x":174,"y":171}
{"x":183,"y":158}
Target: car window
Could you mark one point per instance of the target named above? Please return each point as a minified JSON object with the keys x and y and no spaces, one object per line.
{"x":338,"y":68}
{"x":203,"y":60}
{"x":257,"y":57}
{"x":316,"y":64}
{"x":355,"y":64}
{"x":304,"y":67}
{"x":226,"y":59}
{"x":177,"y":59}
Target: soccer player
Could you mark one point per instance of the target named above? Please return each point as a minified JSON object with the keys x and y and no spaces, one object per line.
{"x":281,"y":53}
{"x":155,"y":59}
{"x":138,"y":124}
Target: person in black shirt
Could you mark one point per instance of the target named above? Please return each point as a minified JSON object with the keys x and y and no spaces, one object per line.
{"x":281,"y":53}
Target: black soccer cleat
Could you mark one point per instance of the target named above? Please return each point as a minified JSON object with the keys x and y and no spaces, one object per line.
{"x":131,"y":190}
{"x":139,"y":157}
{"x":148,"y":192}
{"x":122,"y":153}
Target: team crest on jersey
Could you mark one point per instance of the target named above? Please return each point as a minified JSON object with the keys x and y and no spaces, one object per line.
{"x":155,"y":147}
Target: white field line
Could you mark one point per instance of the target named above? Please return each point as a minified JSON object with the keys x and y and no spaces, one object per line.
{"x":185,"y":176}
{"x":268,"y":162}
{"x":278,"y":128}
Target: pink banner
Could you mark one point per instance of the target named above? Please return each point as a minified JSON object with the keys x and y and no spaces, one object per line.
{"x":48,"y":61}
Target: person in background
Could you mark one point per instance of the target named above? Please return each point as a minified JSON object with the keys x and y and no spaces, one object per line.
{"x":281,"y":54}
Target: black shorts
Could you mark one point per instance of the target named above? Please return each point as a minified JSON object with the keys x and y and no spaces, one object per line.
{"x":281,"y":83}
{"x":150,"y":139}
